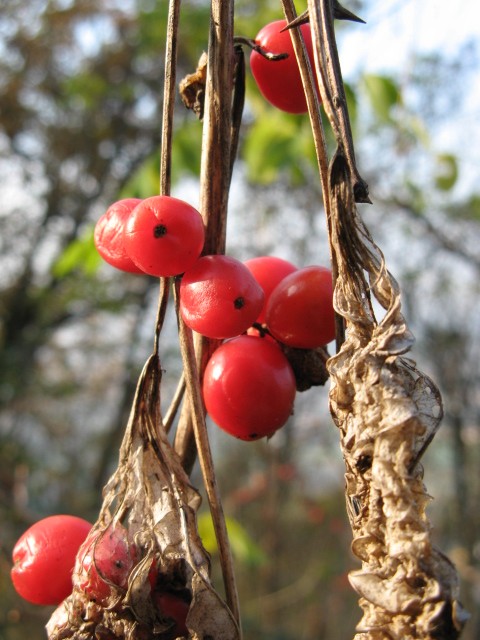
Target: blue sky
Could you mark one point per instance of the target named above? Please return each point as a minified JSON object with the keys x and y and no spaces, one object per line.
{"x":400,"y":28}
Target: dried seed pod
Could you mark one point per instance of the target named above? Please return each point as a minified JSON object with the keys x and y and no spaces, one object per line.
{"x":387,"y":412}
{"x":150,"y":499}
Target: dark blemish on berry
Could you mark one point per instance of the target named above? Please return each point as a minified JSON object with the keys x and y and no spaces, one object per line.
{"x":253,"y":436}
{"x":119,"y":564}
{"x":239,"y":302}
{"x":159,"y":231}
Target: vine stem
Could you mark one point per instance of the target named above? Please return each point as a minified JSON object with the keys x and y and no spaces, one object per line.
{"x":220,"y":130}
{"x":206,"y":463}
{"x":169,"y":92}
{"x":318,"y":134}
{"x":169,"y":89}
{"x":215,"y":182}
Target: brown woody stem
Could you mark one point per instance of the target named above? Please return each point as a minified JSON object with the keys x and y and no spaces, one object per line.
{"x":313,"y":104}
{"x":206,"y":463}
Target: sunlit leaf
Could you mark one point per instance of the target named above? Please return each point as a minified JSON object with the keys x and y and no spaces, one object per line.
{"x":186,"y":151}
{"x":467,"y":210}
{"x":416,"y":198}
{"x":80,"y":255}
{"x":276,"y":143}
{"x":244,"y":548}
{"x":268,"y":147}
{"x":145,"y":181}
{"x":351,"y":97}
{"x":384,"y":94}
{"x":447,"y":171}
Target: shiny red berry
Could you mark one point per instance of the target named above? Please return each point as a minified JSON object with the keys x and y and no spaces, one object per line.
{"x":269,"y":271}
{"x":109,"y":235}
{"x":279,"y":80}
{"x":219,"y":297}
{"x":164,"y":236}
{"x":249,"y":387}
{"x":174,"y":607}
{"x":44,"y":558}
{"x":106,"y":558}
{"x":300,"y":309}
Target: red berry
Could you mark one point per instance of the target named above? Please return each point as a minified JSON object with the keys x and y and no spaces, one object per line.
{"x":219,"y":297}
{"x":109,"y":233}
{"x":268,"y":272}
{"x":164,"y":236}
{"x":300,"y":309}
{"x":249,"y":387}
{"x":279,"y":80}
{"x":44,"y":558}
{"x":104,"y":558}
{"x":174,"y":607}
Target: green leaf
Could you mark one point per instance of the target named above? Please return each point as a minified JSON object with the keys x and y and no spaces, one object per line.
{"x":145,"y":181}
{"x":447,"y":171}
{"x":268,"y":147}
{"x":351,"y":104}
{"x":416,"y":197}
{"x":186,"y":150}
{"x":244,"y":548}
{"x":384,"y":94}
{"x":275,"y":143}
{"x":81,"y":254}
{"x":469,"y":209}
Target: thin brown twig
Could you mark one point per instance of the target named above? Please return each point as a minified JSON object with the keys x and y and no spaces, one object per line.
{"x":332,"y":89}
{"x":169,"y":91}
{"x":318,"y":137}
{"x":167,"y":140}
{"x":215,"y":175}
{"x":206,"y":463}
{"x":172,"y":410}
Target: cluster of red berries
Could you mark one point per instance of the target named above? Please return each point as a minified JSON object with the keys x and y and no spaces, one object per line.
{"x":249,"y":386}
{"x":50,"y":551}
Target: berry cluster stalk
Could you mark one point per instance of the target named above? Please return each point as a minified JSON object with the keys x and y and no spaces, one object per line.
{"x":191,"y":436}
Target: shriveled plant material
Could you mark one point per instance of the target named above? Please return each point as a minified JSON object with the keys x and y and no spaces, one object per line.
{"x":150,"y":495}
{"x":387,"y":412}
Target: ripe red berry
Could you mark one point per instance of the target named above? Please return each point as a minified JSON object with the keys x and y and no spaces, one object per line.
{"x":44,"y":558}
{"x":300,"y":309}
{"x":219,"y":297}
{"x":109,"y":235}
{"x":105,"y":558}
{"x":174,"y":607}
{"x":279,"y":80}
{"x":249,"y":387}
{"x":164,"y":236}
{"x":268,"y":272}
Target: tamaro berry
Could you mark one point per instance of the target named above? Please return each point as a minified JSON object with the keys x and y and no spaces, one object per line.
{"x":249,"y":387}
{"x":105,"y":558}
{"x":109,"y":235}
{"x":300,"y":309}
{"x":279,"y":80}
{"x":164,"y":236}
{"x":268,"y":271}
{"x":219,"y":297}
{"x":174,"y":607}
{"x":44,"y":558}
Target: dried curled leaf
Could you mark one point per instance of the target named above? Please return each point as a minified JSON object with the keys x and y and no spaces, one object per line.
{"x":192,"y":88}
{"x":150,"y":498}
{"x":387,"y":412}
